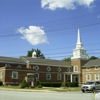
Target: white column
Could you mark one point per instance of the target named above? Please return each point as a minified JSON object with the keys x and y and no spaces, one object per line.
{"x":71,"y":78}
{"x":64,"y":77}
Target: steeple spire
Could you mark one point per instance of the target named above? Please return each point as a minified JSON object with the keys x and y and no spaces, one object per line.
{"x":79,"y":37}
{"x":79,"y":44}
{"x":79,"y":52}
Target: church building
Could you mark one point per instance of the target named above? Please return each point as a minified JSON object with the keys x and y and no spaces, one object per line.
{"x":80,"y":69}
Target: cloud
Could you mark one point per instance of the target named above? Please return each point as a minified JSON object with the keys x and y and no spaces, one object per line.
{"x":34,"y":35}
{"x":67,"y":4}
{"x":98,"y":16}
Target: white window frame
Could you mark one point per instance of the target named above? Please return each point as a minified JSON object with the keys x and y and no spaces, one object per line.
{"x":96,"y":68}
{"x":19,"y":66}
{"x":75,"y":67}
{"x":1,"y":74}
{"x":36,"y":67}
{"x":87,"y":68}
{"x":48,"y":68}
{"x":59,"y":69}
{"x":37,"y":75}
{"x":59,"y":76}
{"x":47,"y":77}
{"x":7,"y":65}
{"x":14,"y":72}
{"x":96,"y":77}
{"x":68,"y":69}
{"x":88,"y":79}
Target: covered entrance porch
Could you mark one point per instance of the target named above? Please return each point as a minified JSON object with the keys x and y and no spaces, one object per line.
{"x":72,"y":77}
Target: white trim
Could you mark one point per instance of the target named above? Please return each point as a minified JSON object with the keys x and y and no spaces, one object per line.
{"x":88,"y":78}
{"x":48,"y":76}
{"x":16,"y":76}
{"x":59,"y":76}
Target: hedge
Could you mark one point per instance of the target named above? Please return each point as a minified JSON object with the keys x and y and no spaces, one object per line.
{"x":1,"y":83}
{"x":59,"y":84}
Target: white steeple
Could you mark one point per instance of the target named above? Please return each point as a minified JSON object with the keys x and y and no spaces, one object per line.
{"x":34,"y":54}
{"x":79,"y":44}
{"x":79,"y":52}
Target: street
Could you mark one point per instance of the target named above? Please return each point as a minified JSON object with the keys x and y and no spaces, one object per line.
{"x":16,"y":95}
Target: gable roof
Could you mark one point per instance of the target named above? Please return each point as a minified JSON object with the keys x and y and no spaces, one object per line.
{"x":92,"y":63}
{"x":11,"y":60}
{"x":47,"y":62}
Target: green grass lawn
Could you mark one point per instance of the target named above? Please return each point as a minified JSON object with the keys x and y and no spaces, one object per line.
{"x":60,"y":89}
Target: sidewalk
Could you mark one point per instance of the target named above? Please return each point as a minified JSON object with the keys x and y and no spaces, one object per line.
{"x":26,"y":90}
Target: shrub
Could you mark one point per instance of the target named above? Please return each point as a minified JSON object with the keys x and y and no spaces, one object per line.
{"x":39,"y":86}
{"x":1,"y":83}
{"x":59,"y":84}
{"x":38,"y":82}
{"x":23,"y":84}
{"x":72,"y":84}
{"x":51,"y":84}
{"x":31,"y":87}
{"x":63,"y":84}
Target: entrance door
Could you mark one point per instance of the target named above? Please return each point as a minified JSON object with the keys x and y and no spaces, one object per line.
{"x":75,"y":78}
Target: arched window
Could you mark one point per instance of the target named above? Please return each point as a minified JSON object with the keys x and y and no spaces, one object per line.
{"x":75,"y":68}
{"x":88,"y":77}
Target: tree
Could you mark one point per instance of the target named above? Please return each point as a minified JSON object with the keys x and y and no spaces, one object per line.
{"x":23,"y":84}
{"x":38,"y":53}
{"x":67,"y":59}
{"x":93,"y":57}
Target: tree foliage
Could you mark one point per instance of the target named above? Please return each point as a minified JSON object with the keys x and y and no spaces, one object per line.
{"x":93,"y":57}
{"x":67,"y":59}
{"x":38,"y":53}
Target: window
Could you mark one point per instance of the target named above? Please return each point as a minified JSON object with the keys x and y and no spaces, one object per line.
{"x":7,"y":65}
{"x":69,"y":70}
{"x":48,"y":76}
{"x":98,"y":82}
{"x":59,"y":76}
{"x":96,"y":67}
{"x":96,"y":77}
{"x":88,"y":77}
{"x":14,"y":75}
{"x":1,"y":74}
{"x":48,"y":68}
{"x":37,"y":75}
{"x":19,"y":66}
{"x":87,"y":68}
{"x":36,"y":67}
{"x":68,"y":77}
{"x":75,"y":68}
{"x":59,"y":69}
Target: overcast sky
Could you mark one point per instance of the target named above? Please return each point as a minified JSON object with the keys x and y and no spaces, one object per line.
{"x":49,"y":25}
